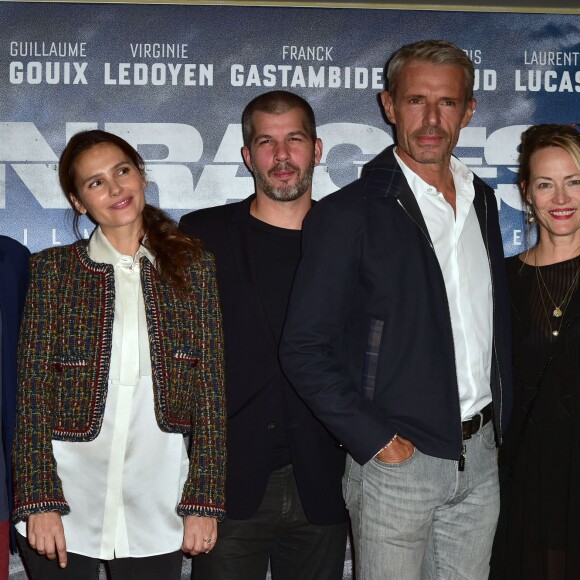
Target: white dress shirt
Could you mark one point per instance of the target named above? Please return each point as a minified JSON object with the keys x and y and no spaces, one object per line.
{"x":123,"y":487}
{"x":464,"y":263}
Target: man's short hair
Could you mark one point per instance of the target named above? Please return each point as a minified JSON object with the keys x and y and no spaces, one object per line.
{"x":433,"y":52}
{"x":276,"y":103}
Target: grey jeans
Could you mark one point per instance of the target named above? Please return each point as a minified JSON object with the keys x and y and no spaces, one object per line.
{"x":422,"y":519}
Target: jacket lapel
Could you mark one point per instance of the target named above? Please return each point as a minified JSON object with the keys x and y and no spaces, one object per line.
{"x":383,"y":178}
{"x":409,"y":203}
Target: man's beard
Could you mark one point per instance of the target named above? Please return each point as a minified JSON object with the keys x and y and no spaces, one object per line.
{"x":285,"y":192}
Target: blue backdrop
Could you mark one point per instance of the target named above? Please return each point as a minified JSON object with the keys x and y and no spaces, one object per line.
{"x":173,"y":80}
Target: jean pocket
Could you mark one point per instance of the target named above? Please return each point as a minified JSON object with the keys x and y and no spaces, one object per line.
{"x":388,"y":466}
{"x":487,"y":435}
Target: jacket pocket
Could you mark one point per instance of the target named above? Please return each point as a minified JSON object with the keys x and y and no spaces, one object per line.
{"x":187,"y":357}
{"x":371,"y":358}
{"x":72,"y":394}
{"x":61,"y":363}
{"x":182,"y":383}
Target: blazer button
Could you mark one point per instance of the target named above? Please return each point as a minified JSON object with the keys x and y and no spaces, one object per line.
{"x":194,"y":363}
{"x":271,"y":426}
{"x":58,"y":367}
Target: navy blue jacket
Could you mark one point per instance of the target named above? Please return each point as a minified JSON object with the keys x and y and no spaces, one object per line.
{"x":368,"y":341}
{"x":14,"y":259}
{"x":255,"y":383}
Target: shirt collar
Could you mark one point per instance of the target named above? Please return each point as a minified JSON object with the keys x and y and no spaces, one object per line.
{"x":101,"y":250}
{"x":462,"y":177}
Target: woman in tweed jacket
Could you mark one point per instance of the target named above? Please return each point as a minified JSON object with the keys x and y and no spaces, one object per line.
{"x":120,"y":365}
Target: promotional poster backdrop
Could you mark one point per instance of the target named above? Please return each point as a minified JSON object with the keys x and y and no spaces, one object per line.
{"x":173,"y":80}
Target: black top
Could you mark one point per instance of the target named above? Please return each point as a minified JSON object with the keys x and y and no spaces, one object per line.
{"x":275,"y":255}
{"x":539,"y":530}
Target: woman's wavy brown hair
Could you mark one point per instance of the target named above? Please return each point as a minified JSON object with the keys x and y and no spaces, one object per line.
{"x":173,"y":250}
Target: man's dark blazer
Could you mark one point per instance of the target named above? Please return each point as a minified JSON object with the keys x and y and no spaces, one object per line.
{"x":368,"y":341}
{"x":14,"y":259}
{"x":255,"y":383}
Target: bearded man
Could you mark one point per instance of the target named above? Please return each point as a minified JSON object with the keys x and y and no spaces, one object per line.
{"x":283,"y":490}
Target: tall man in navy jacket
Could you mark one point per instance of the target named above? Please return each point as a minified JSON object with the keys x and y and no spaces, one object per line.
{"x":13,"y":284}
{"x":397,"y":333}
{"x":283,"y":487}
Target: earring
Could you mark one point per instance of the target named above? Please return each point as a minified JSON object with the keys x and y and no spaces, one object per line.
{"x":530,"y":214}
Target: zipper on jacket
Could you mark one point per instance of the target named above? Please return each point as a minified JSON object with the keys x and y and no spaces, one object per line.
{"x":461,"y":459}
{"x":494,"y":345}
{"x":415,"y":222}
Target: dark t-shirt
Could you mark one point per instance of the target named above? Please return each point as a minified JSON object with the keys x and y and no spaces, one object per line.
{"x":275,"y":256}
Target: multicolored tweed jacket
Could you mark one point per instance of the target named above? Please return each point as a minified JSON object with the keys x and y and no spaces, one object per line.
{"x":64,"y":355}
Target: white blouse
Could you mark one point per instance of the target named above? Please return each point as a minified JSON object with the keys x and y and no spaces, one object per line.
{"x":123,"y":487}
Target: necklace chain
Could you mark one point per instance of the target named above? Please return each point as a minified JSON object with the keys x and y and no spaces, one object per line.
{"x":559,"y":309}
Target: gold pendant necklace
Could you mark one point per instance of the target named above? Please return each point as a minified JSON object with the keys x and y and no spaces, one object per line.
{"x":559,"y":309}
